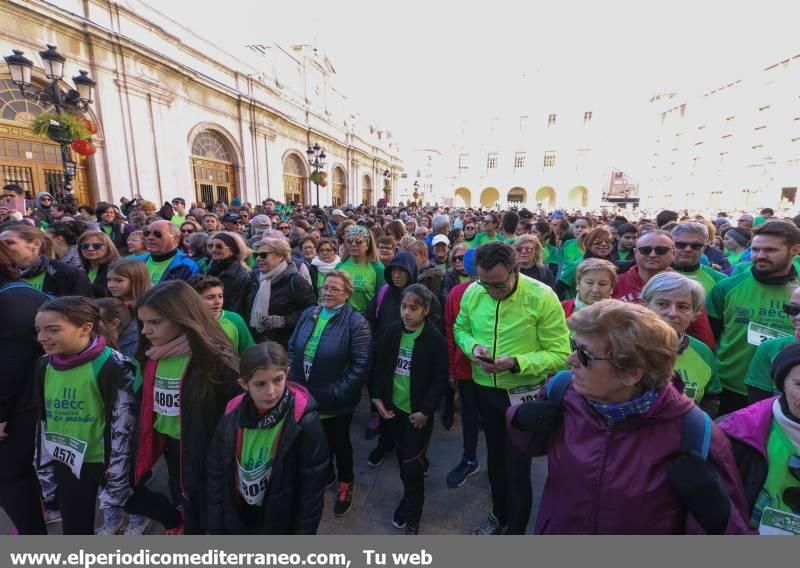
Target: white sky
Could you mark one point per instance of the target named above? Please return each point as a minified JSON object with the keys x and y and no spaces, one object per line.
{"x":420,"y":67}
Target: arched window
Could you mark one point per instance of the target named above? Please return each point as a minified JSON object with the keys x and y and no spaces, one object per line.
{"x":294,"y":179}
{"x":213,"y":168}
{"x":366,"y":190}
{"x":339,"y":187}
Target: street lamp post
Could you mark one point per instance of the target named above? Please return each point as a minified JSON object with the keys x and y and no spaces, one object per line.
{"x":316,"y":159}
{"x":75,"y":100}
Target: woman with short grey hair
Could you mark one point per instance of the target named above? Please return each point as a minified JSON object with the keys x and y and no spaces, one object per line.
{"x":678,"y":300}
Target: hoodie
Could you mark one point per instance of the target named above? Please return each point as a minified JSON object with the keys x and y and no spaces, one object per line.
{"x":384,"y":309}
{"x":42,"y":213}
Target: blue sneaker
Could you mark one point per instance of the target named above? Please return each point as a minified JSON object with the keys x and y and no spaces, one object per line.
{"x":463,"y":471}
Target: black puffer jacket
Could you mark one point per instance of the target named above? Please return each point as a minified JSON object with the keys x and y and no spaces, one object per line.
{"x":64,"y":280}
{"x":342,"y":363}
{"x":295,"y":494}
{"x":99,"y":288}
{"x":428,"y":368}
{"x":235,"y":283}
{"x":290,"y":295}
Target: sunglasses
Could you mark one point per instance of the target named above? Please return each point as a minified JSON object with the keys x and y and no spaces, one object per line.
{"x":458,"y":258}
{"x":601,"y":243}
{"x":187,"y":231}
{"x":157,"y":234}
{"x":284,"y":227}
{"x":497,"y":286}
{"x":584,"y":357}
{"x":660,"y":251}
{"x":680,"y":245}
{"x":263,"y":255}
{"x":469,"y":228}
{"x":358,"y":242}
{"x":45,"y":199}
{"x":792,"y":309}
{"x":93,"y":246}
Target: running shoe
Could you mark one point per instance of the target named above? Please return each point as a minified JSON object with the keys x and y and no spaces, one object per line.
{"x":344,"y":499}
{"x":463,"y":471}
{"x":397,"y":519}
{"x":137,"y":525}
{"x":490,"y":525}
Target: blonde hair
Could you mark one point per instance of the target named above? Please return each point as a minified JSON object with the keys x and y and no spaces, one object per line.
{"x":535,"y":243}
{"x":344,"y":277}
{"x":277,"y":246}
{"x":636,"y":337}
{"x":111,"y":251}
{"x":596,"y":264}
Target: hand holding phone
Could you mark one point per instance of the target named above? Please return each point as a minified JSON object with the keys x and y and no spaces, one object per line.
{"x":488,"y":360}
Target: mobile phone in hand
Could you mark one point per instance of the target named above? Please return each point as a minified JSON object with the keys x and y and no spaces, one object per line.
{"x":485,"y":359}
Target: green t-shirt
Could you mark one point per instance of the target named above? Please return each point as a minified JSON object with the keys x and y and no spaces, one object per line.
{"x":234,"y":327}
{"x":751,"y":313}
{"x":483,"y":237}
{"x":366,"y":282}
{"x":549,"y":254}
{"x":92,"y":275}
{"x":779,"y":478}
{"x":157,"y":269}
{"x":313,"y":342}
{"x":464,"y":278}
{"x":75,"y":414}
{"x":178,"y":219}
{"x":745,"y":266}
{"x":570,"y":253}
{"x":697,"y":368}
{"x":758,"y":373}
{"x":255,"y":463}
{"x":706,"y":276}
{"x":167,"y":395}
{"x":320,"y":282}
{"x":107,"y":229}
{"x":734,"y":257}
{"x":759,"y":220}
{"x":401,"y":390}
{"x":36,"y":281}
{"x":623,"y":254}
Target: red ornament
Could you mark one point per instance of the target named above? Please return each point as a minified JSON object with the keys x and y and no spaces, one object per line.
{"x":323,"y":184}
{"x":90,"y":126}
{"x":83,"y":147}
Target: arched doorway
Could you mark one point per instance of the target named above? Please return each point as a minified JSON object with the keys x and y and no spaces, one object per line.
{"x":517,"y":196}
{"x":489,"y":197}
{"x":30,"y":161}
{"x":463,"y":197}
{"x":366,"y":190}
{"x":339,"y":189}
{"x":294,"y":179}
{"x":213,"y":168}
{"x":546,"y":197}
{"x":578,"y":197}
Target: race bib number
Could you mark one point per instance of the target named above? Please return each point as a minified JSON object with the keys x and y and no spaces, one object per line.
{"x":167,"y":395}
{"x":66,"y":449}
{"x":307,"y":364}
{"x":775,"y":522}
{"x":253,"y":483}
{"x":690,"y":390}
{"x":525,"y":393}
{"x":758,"y":334}
{"x":403,"y":367}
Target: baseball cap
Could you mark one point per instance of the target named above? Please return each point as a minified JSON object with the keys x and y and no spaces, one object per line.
{"x":230,"y":217}
{"x":337,"y":213}
{"x":441,"y":239}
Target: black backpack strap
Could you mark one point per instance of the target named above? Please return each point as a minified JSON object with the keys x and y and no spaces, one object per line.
{"x":696,"y":432}
{"x":558,"y":385}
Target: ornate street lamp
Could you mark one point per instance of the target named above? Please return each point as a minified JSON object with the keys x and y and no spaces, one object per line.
{"x":75,"y":100}
{"x":316,"y":159}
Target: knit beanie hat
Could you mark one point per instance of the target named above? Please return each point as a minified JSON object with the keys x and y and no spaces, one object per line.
{"x":784,"y":363}
{"x":230,"y":241}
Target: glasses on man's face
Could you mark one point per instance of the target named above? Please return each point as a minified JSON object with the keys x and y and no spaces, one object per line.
{"x":680,"y":245}
{"x":487,"y":221}
{"x":660,"y":251}
{"x":386,"y":250}
{"x":332,"y":290}
{"x":93,"y":246}
{"x":495,"y":285}
{"x":458,"y":258}
{"x":157,"y":234}
{"x":584,"y":357}
{"x":792,"y":309}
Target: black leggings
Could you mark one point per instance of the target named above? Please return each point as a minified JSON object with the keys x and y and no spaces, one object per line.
{"x":156,"y":506}
{"x":411,"y":445}
{"x":19,"y":486}
{"x":337,"y":431}
{"x":77,"y":498}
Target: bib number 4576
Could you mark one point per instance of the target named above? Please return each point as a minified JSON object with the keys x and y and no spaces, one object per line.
{"x":64,"y":456}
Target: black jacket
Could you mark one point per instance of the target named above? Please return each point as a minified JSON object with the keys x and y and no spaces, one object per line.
{"x":235,"y":283}
{"x":450,"y":281}
{"x":342,"y":363}
{"x":119,"y":235}
{"x":382,"y":314}
{"x":290,"y":295}
{"x":428,"y":368}
{"x":64,"y":280}
{"x":295,"y":494}
{"x":98,"y":288}
{"x":541,"y":273}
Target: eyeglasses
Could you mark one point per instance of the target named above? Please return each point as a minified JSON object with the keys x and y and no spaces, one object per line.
{"x":218,"y":246}
{"x":792,"y":309}
{"x":357,"y":242}
{"x":263,"y":255}
{"x":284,"y":227}
{"x":660,"y":251}
{"x":469,"y":228}
{"x":584,"y":357}
{"x":45,"y":199}
{"x":487,"y":221}
{"x":187,"y":231}
{"x":325,"y":249}
{"x":495,"y":286}
{"x":93,"y":246}
{"x":157,"y":234}
{"x":600,"y":243}
{"x":332,"y":290}
{"x":680,"y":245}
{"x":458,"y":258}
{"x":525,"y":249}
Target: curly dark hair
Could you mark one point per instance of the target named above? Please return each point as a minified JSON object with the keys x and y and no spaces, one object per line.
{"x":490,"y":254}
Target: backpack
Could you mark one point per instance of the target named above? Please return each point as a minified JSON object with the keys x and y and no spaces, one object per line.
{"x":381,"y":296}
{"x":695,"y":429}
{"x":12,"y":285}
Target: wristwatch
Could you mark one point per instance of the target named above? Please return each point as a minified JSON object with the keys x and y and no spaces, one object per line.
{"x":515,"y":369}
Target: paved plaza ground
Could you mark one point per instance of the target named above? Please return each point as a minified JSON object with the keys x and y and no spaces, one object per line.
{"x":379,"y":490}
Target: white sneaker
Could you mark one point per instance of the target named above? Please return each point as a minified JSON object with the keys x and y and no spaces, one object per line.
{"x":107,"y":530}
{"x":137,"y":525}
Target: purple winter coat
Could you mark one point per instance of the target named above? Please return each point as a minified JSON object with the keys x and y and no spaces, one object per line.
{"x":613,"y":481}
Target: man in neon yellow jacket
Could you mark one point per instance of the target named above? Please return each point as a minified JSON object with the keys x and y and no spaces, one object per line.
{"x":514,"y":331}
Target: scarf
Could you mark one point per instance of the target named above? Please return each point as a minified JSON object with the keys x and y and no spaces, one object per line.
{"x":64,"y":362}
{"x":616,"y":413}
{"x":251,"y":419}
{"x":788,"y":422}
{"x":35,"y":269}
{"x":258,"y":318}
{"x":325,"y":267}
{"x":683,"y":343}
{"x":178,"y":346}
{"x":215,"y":268}
{"x":771,"y":280}
{"x":579,"y":304}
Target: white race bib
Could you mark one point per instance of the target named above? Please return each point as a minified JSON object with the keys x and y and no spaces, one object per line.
{"x":167,"y":397}
{"x":66,"y":449}
{"x":525,"y":393}
{"x":775,"y":522}
{"x":403,"y":367}
{"x":253,"y":483}
{"x":758,"y":334}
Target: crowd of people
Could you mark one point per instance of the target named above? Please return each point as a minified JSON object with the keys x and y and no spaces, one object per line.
{"x":653,"y":357}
